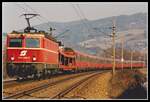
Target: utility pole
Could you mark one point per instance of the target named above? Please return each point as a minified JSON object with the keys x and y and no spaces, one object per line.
{"x":122,"y":59}
{"x":131,"y":58}
{"x":113,"y":38}
{"x":143,"y":59}
{"x":113,"y":45}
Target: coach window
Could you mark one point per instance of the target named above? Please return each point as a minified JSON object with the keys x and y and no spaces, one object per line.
{"x":62,"y":60}
{"x":66,"y":60}
{"x":15,"y":42}
{"x":32,"y":42}
{"x":70,"y":60}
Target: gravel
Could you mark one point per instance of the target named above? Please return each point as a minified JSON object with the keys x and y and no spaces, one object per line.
{"x":51,"y":91}
{"x":95,"y":88}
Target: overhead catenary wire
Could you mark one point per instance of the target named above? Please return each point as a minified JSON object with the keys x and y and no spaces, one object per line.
{"x":81,"y":14}
{"x":87,"y":23}
{"x":40,"y":17}
{"x":85,"y":18}
{"x":36,"y":12}
{"x":78,"y":12}
{"x":25,"y":10}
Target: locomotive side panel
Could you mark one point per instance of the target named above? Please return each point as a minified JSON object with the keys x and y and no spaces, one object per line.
{"x":50,"y":53}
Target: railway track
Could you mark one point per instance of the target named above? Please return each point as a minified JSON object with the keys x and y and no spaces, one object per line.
{"x":14,"y":82}
{"x":9,"y":81}
{"x":22,"y":93}
{"x":70,"y":88}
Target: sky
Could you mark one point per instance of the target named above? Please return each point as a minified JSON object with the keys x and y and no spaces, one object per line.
{"x":64,"y":11}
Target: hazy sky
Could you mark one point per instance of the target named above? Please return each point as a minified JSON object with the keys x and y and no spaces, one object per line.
{"x":64,"y":12}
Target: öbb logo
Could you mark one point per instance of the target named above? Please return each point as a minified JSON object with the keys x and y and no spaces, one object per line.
{"x":23,"y":52}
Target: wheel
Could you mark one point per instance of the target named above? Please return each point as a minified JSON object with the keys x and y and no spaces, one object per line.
{"x":10,"y":71}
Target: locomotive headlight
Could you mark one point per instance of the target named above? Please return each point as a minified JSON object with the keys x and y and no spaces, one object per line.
{"x":12,"y":58}
{"x":34,"y":58}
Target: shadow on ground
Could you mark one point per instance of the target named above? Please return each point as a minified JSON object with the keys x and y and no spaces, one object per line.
{"x":136,"y":92}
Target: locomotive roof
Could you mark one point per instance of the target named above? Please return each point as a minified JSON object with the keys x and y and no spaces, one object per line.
{"x":68,"y":52}
{"x":68,"y":49}
{"x":25,"y":34}
{"x":48,"y":36}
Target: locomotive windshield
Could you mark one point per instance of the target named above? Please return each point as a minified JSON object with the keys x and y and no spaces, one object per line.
{"x":32,"y":42}
{"x":15,"y":42}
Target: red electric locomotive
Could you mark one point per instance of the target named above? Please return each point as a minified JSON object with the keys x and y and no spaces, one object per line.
{"x":31,"y":54}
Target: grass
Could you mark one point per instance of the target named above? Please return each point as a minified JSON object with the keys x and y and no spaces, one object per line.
{"x":123,"y":80}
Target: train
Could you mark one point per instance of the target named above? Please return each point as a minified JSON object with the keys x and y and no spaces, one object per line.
{"x":38,"y":54}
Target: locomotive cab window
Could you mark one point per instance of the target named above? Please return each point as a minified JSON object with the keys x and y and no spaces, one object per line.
{"x":32,"y":42}
{"x":15,"y":42}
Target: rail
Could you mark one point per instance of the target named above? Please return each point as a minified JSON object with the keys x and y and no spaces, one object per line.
{"x":67,"y":90}
{"x":35,"y":89}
